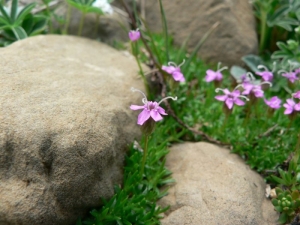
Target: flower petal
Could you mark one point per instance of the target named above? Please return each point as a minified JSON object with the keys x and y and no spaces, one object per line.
{"x":229,"y":103}
{"x":288,"y":111}
{"x":143,"y":116}
{"x":136,"y":107}
{"x":210,"y":75}
{"x":178,"y":76}
{"x":169,"y":69}
{"x":297,"y":107}
{"x":161,"y":110}
{"x":290,"y":102}
{"x":239,"y":102}
{"x":221,"y":97}
{"x":155,"y":115}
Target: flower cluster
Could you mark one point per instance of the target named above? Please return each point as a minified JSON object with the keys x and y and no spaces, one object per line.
{"x":254,"y":89}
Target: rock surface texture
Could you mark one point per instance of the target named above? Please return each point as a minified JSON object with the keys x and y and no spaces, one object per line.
{"x":65,"y":124}
{"x":214,"y":187}
{"x":233,"y":38}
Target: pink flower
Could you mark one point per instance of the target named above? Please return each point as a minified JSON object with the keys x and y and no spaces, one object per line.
{"x":175,"y":71}
{"x":296,"y":95}
{"x":150,"y":109}
{"x":291,"y":76}
{"x":230,"y":98}
{"x":273,"y":103}
{"x":252,"y":88}
{"x":266,"y":75}
{"x":134,"y":35}
{"x":290,"y":106}
{"x":214,"y":75}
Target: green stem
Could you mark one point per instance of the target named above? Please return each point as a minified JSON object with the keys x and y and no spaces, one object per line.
{"x":134,"y":50}
{"x":225,"y":122}
{"x":144,"y":155}
{"x":297,"y":150}
{"x":81,"y":24}
{"x":97,"y":24}
{"x":165,"y":26}
{"x":69,"y":11}
{"x":50,"y":18}
{"x":263,"y":29}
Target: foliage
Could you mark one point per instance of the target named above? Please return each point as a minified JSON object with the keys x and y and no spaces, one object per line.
{"x":277,"y":20}
{"x":17,"y":24}
{"x":135,"y":203}
{"x":287,"y":204}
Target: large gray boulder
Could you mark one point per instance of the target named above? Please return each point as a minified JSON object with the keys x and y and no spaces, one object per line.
{"x":233,"y":38}
{"x":214,"y":187}
{"x":65,"y":125}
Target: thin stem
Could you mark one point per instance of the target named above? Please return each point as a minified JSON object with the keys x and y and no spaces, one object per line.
{"x":50,"y":17}
{"x":297,"y":150}
{"x":165,"y":26}
{"x":135,"y":53}
{"x":144,"y":155}
{"x":97,"y":24}
{"x":81,"y":24}
{"x":263,"y":28}
{"x":69,"y":11}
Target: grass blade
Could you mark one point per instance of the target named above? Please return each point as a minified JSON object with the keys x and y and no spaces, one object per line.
{"x":4,"y":14}
{"x":14,"y":10}
{"x":200,"y":43}
{"x":165,"y":27}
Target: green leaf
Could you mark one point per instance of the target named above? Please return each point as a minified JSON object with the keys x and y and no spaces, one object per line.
{"x":3,"y":22}
{"x":252,"y":61}
{"x":237,"y":72}
{"x":13,"y":10}
{"x":275,"y":202}
{"x":19,"y":33}
{"x":39,"y":26}
{"x":4,"y":14}
{"x":24,"y":12}
{"x":277,"y":179}
{"x":283,"y":218}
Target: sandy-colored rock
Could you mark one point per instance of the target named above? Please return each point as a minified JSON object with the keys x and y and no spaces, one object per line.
{"x":214,"y":187}
{"x":234,"y":37}
{"x":65,"y":125}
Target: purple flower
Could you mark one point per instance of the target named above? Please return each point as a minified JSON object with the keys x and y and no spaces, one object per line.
{"x":297,"y":71}
{"x":296,"y":95}
{"x":290,"y":106}
{"x":245,"y":78}
{"x":273,"y":103}
{"x":291,"y":76}
{"x":134,"y":35}
{"x":266,"y":75}
{"x":230,"y":98}
{"x":150,"y":109}
{"x":253,"y":88}
{"x":175,"y":71}
{"x":214,"y":75}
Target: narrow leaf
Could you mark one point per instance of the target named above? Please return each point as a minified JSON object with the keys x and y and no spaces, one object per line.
{"x":25,"y":11}
{"x":19,"y":32}
{"x":14,"y":10}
